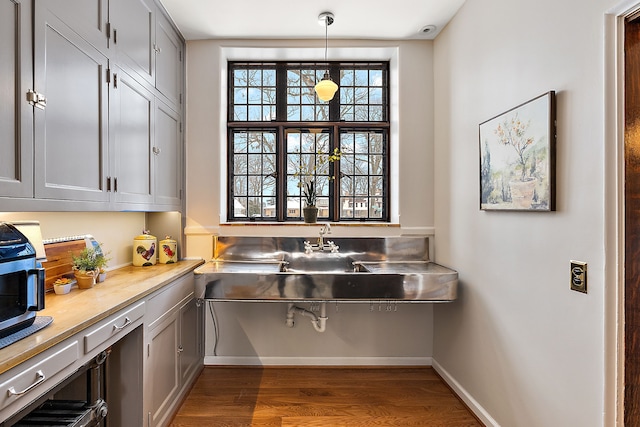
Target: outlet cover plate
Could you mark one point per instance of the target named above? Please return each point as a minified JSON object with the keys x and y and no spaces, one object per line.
{"x":579,"y":276}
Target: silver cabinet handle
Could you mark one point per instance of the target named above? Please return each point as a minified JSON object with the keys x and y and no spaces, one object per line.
{"x":12,"y":391}
{"x":126,"y":323}
{"x":180,"y":349}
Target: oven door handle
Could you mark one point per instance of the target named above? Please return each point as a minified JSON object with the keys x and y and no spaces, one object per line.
{"x":37,"y":302}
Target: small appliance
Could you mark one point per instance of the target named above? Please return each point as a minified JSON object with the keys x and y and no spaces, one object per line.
{"x":21,"y":281}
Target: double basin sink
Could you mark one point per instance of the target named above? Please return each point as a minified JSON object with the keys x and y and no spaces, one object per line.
{"x":364,"y":269}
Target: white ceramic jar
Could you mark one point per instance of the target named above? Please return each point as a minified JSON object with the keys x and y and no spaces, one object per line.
{"x":168,"y":251}
{"x":145,"y":250}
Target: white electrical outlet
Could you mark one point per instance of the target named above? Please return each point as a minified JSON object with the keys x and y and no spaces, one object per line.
{"x":579,"y":276}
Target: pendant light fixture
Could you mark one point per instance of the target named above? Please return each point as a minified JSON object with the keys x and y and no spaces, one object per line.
{"x":326,"y":87}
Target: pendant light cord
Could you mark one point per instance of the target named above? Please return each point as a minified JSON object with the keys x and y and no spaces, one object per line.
{"x":326,"y":39}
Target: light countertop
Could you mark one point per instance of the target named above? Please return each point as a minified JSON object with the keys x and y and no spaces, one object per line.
{"x":82,"y":308}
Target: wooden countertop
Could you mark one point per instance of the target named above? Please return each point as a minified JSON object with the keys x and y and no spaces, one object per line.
{"x":82,"y":308}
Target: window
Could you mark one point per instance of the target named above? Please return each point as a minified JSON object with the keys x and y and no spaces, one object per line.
{"x":280,"y":136}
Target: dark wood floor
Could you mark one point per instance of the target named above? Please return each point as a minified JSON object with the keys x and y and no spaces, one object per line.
{"x":322,"y":397}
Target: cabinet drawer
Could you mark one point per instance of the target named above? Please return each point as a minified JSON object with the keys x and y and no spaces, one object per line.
{"x":167,"y":298}
{"x":121,"y":324}
{"x":28,"y":384}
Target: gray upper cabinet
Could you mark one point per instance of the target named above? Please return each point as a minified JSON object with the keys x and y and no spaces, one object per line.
{"x":132,"y":134}
{"x":16,"y":134}
{"x":168,"y":157}
{"x":71,"y":131}
{"x":97,"y":113}
{"x":133,"y":33}
{"x":168,"y":50}
{"x":88,"y":18}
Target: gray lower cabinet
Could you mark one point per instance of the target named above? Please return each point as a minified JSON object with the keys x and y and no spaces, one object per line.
{"x":164,"y":375}
{"x":16,"y":129}
{"x":191,"y":337}
{"x":95,"y":124}
{"x":156,"y":354}
{"x":60,"y":372}
{"x":174,"y":353}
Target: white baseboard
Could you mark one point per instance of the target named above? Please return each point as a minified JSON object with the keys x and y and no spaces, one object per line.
{"x":475,"y":407}
{"x":316,"y":361}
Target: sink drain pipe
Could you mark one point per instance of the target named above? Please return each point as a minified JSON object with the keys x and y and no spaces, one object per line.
{"x":319,"y":322}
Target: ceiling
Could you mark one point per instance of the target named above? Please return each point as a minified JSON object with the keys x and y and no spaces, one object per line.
{"x":298,"y":19}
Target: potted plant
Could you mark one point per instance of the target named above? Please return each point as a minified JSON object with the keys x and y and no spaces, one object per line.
{"x":87,"y":265}
{"x":310,"y":210}
{"x":63,"y":285}
{"x":307,"y":173}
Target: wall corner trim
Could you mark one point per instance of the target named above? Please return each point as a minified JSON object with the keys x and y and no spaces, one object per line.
{"x":463,"y":394}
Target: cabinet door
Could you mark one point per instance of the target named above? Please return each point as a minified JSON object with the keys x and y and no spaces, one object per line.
{"x":131,"y":125}
{"x":133,"y":35}
{"x":162,"y":372}
{"x":87,"y":18}
{"x":167,"y":156}
{"x":71,"y":132}
{"x":190,"y":333}
{"x":16,"y":115}
{"x":169,"y":69}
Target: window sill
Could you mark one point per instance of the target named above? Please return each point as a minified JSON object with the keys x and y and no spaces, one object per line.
{"x":304,"y":224}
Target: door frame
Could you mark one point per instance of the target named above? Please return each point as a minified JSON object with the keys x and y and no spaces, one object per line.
{"x":614,"y":202}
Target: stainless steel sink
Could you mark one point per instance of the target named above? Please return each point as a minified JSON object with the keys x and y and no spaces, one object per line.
{"x":282,"y":273}
{"x":318,"y":262}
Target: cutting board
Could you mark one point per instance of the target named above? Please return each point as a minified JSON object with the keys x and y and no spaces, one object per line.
{"x":59,"y":260}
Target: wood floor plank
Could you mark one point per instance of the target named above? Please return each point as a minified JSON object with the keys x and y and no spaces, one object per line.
{"x":321,"y":396}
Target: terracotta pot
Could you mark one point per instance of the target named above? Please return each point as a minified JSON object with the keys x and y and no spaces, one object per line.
{"x":310,"y":214}
{"x":86,"y":279}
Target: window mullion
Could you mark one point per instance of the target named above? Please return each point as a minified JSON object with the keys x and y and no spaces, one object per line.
{"x":334,"y":104}
{"x":281,"y":92}
{"x":334,"y":192}
{"x":281,"y":175}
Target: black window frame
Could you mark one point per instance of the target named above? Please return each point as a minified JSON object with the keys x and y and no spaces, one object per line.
{"x":279,"y":125}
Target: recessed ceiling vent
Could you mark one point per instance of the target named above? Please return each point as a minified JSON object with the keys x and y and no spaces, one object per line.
{"x":428,"y":30}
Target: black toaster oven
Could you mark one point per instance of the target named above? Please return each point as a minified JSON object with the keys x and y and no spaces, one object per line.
{"x":21,"y":281}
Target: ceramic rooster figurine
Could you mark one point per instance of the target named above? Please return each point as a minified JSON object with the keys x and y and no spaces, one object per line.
{"x":146,"y":254}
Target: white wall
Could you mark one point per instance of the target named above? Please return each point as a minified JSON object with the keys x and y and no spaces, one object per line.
{"x":411,"y":121}
{"x":114,"y":230}
{"x":258,"y":330}
{"x":519,"y":344}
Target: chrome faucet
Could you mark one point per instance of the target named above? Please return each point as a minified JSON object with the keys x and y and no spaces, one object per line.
{"x":325,"y":229}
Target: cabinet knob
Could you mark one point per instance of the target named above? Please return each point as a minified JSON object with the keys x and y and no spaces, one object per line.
{"x":156,"y":150}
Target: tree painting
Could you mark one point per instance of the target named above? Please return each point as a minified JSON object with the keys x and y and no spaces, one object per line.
{"x":517,"y":157}
{"x":513,"y":133}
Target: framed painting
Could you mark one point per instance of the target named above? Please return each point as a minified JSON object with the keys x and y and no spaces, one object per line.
{"x":517,"y":157}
